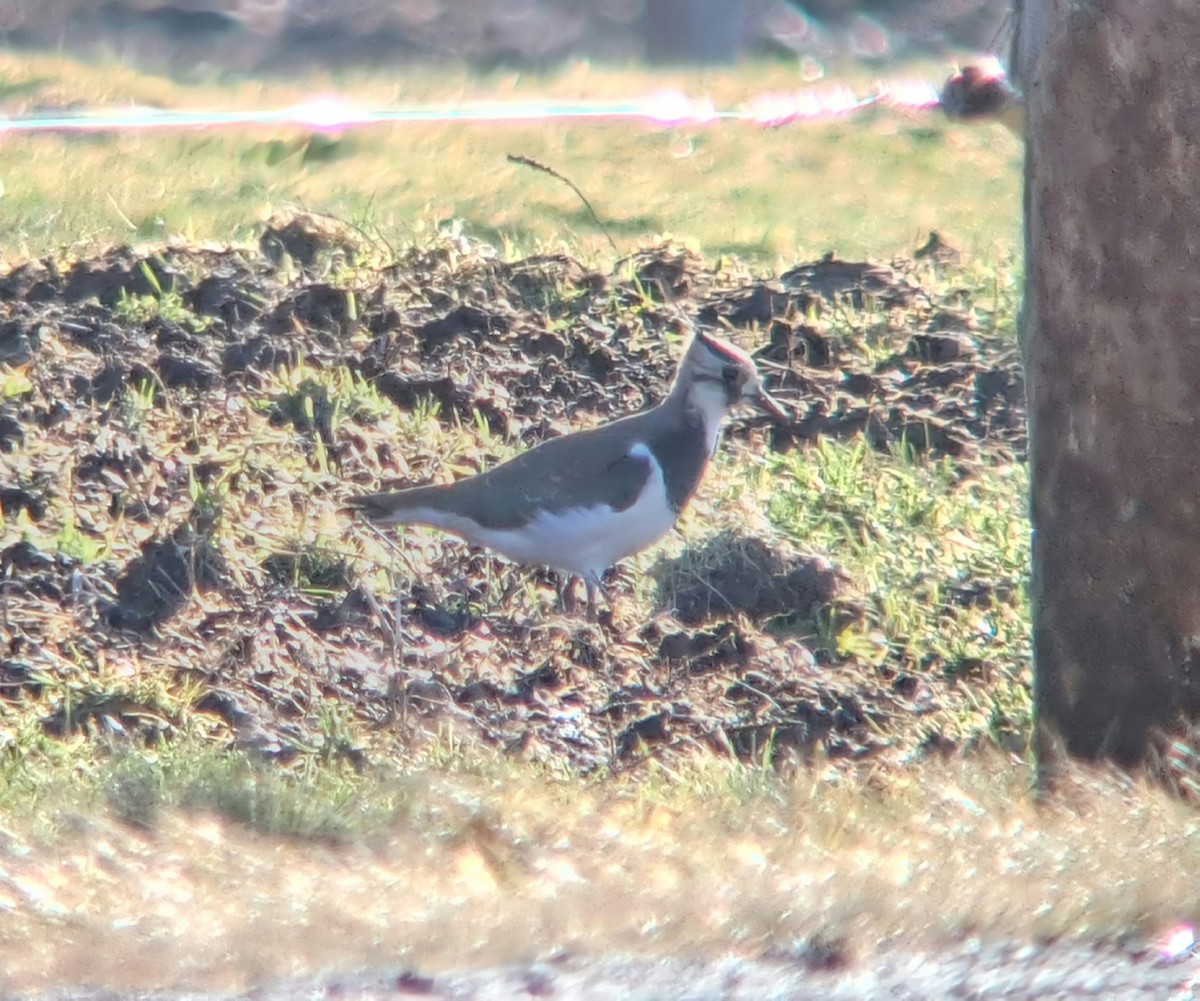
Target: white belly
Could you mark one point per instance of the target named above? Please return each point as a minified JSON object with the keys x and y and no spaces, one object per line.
{"x":583,"y":541}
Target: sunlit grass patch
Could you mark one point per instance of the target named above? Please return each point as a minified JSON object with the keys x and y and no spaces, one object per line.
{"x":941,"y":555}
{"x":317,"y":400}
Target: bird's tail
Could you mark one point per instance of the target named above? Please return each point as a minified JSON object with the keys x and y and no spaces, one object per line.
{"x":398,"y":507}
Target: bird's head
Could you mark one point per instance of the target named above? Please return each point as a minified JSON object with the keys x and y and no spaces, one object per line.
{"x":717,"y":375}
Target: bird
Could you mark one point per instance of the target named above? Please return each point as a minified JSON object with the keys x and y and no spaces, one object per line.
{"x":582,"y":502}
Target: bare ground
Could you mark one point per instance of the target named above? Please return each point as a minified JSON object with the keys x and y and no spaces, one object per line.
{"x":977,"y":971}
{"x":194,"y":537}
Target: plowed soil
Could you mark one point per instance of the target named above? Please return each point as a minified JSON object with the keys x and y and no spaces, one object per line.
{"x":142,"y":541}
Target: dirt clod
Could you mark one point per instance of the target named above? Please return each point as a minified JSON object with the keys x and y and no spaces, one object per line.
{"x":745,"y":575}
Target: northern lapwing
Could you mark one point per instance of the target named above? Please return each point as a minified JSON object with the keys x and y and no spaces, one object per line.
{"x":581,"y":503}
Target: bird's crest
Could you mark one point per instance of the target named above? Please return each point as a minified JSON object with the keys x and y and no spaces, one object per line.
{"x":725,"y":352}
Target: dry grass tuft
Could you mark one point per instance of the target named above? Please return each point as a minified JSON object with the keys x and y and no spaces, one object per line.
{"x":503,"y":866}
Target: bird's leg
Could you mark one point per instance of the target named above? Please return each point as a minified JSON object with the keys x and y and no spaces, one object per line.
{"x":594,"y":587}
{"x":566,"y":594}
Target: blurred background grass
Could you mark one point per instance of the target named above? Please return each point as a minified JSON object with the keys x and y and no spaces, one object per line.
{"x":872,"y":184}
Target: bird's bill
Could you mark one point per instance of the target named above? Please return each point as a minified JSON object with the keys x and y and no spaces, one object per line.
{"x":767,"y":403}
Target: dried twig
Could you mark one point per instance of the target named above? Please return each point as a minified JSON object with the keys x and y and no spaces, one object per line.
{"x":526,"y":161}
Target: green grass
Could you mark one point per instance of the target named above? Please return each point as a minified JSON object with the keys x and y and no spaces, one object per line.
{"x":442,"y":851}
{"x":871,"y":185}
{"x":910,"y":531}
{"x":941,"y":563}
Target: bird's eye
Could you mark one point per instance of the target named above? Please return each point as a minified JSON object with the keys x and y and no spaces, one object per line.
{"x":731,"y":374}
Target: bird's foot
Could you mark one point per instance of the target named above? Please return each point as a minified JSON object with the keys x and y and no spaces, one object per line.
{"x":567,"y":602}
{"x":595,"y":589}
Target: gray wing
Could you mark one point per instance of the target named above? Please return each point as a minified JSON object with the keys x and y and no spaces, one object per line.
{"x":579,"y":470}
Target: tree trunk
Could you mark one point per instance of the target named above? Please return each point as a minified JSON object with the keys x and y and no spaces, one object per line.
{"x":1111,"y":330}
